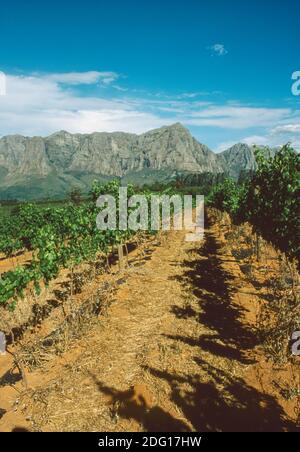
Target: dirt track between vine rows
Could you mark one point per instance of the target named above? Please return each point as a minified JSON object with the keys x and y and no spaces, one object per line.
{"x":176,"y":351}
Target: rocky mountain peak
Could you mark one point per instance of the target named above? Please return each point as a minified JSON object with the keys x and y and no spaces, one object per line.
{"x":50,"y":166}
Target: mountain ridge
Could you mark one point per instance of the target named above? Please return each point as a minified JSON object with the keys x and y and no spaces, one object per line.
{"x":50,"y":166}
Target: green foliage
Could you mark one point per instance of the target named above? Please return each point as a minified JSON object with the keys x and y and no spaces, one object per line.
{"x":226,"y":196}
{"x":13,"y":284}
{"x":272,"y":203}
{"x":270,"y":200}
{"x":59,"y":237}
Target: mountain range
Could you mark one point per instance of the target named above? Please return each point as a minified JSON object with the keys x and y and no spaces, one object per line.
{"x":37,"y":167}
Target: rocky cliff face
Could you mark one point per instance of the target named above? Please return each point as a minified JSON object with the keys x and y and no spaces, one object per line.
{"x":115,"y":154}
{"x":23,"y":156}
{"x":238,"y":157}
{"x":241,"y":158}
{"x":50,"y":166}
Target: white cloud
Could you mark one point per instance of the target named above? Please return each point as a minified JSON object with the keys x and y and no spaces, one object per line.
{"x":120,"y":88}
{"x":83,"y":78}
{"x":224,"y":145}
{"x":296,"y":144}
{"x":190,"y":95}
{"x":237,"y":117}
{"x":40,"y":104}
{"x":262,"y":140}
{"x":251,"y":140}
{"x":286,"y":128}
{"x":258,"y":140}
{"x":218,"y":49}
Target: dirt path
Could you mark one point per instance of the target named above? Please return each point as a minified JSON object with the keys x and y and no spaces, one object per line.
{"x":177,"y":351}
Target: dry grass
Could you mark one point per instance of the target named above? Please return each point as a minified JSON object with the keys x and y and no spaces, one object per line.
{"x":174,"y":350}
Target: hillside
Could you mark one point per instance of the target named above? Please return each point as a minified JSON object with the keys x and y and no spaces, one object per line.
{"x":240,"y":158}
{"x":49,"y":167}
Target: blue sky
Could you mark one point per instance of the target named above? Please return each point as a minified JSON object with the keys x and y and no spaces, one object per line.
{"x":223,"y":69}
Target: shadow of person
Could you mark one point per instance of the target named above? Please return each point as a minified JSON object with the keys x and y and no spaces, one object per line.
{"x":130,"y":405}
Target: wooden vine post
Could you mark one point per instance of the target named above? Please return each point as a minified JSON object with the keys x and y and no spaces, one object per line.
{"x":258,"y":247}
{"x":121,"y":257}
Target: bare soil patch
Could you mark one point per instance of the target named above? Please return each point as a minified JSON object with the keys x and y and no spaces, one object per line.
{"x":176,"y":349}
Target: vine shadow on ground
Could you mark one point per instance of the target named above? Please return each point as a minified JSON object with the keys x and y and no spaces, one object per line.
{"x":237,"y":408}
{"x":213,"y":288}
